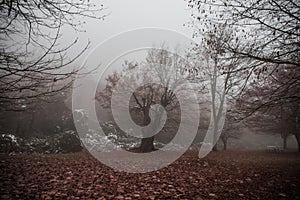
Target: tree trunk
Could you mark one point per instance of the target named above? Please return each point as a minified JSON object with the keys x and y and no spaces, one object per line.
{"x":215,"y":148}
{"x":215,"y":140}
{"x":147,"y":144}
{"x":224,"y":143}
{"x":285,"y":142}
{"x":297,"y":135}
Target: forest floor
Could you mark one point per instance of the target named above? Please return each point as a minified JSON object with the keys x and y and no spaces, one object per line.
{"x":220,"y":175}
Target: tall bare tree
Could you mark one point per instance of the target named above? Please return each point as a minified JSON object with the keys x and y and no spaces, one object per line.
{"x":32,"y":61}
{"x":221,"y":71}
{"x":268,"y":31}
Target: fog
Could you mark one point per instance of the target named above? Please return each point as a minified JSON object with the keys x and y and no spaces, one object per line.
{"x":259,"y":141}
{"x":129,"y":15}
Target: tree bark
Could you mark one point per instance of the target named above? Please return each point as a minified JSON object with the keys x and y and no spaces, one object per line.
{"x":147,"y":144}
{"x":297,"y":135}
{"x":215,"y":148}
{"x":224,"y":143}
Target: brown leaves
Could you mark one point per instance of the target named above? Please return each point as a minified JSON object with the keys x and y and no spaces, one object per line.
{"x":222,"y":175}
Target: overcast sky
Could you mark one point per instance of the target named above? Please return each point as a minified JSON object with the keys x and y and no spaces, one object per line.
{"x":132,"y":14}
{"x":126,"y":15}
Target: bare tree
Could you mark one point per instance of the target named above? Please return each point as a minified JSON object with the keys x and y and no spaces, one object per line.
{"x":31,"y":62}
{"x":222,"y":73}
{"x":269,"y":31}
{"x":264,"y":103}
{"x":162,"y":72}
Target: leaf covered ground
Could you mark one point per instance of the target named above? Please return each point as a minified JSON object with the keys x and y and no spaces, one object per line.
{"x":221,"y":175}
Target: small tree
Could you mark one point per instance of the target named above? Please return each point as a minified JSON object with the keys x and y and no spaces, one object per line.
{"x":268,"y":98}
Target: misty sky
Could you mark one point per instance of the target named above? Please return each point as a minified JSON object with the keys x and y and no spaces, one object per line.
{"x":126,"y":15}
{"x":131,"y":14}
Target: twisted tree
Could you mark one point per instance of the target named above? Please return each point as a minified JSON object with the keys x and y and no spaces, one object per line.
{"x":154,"y":82}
